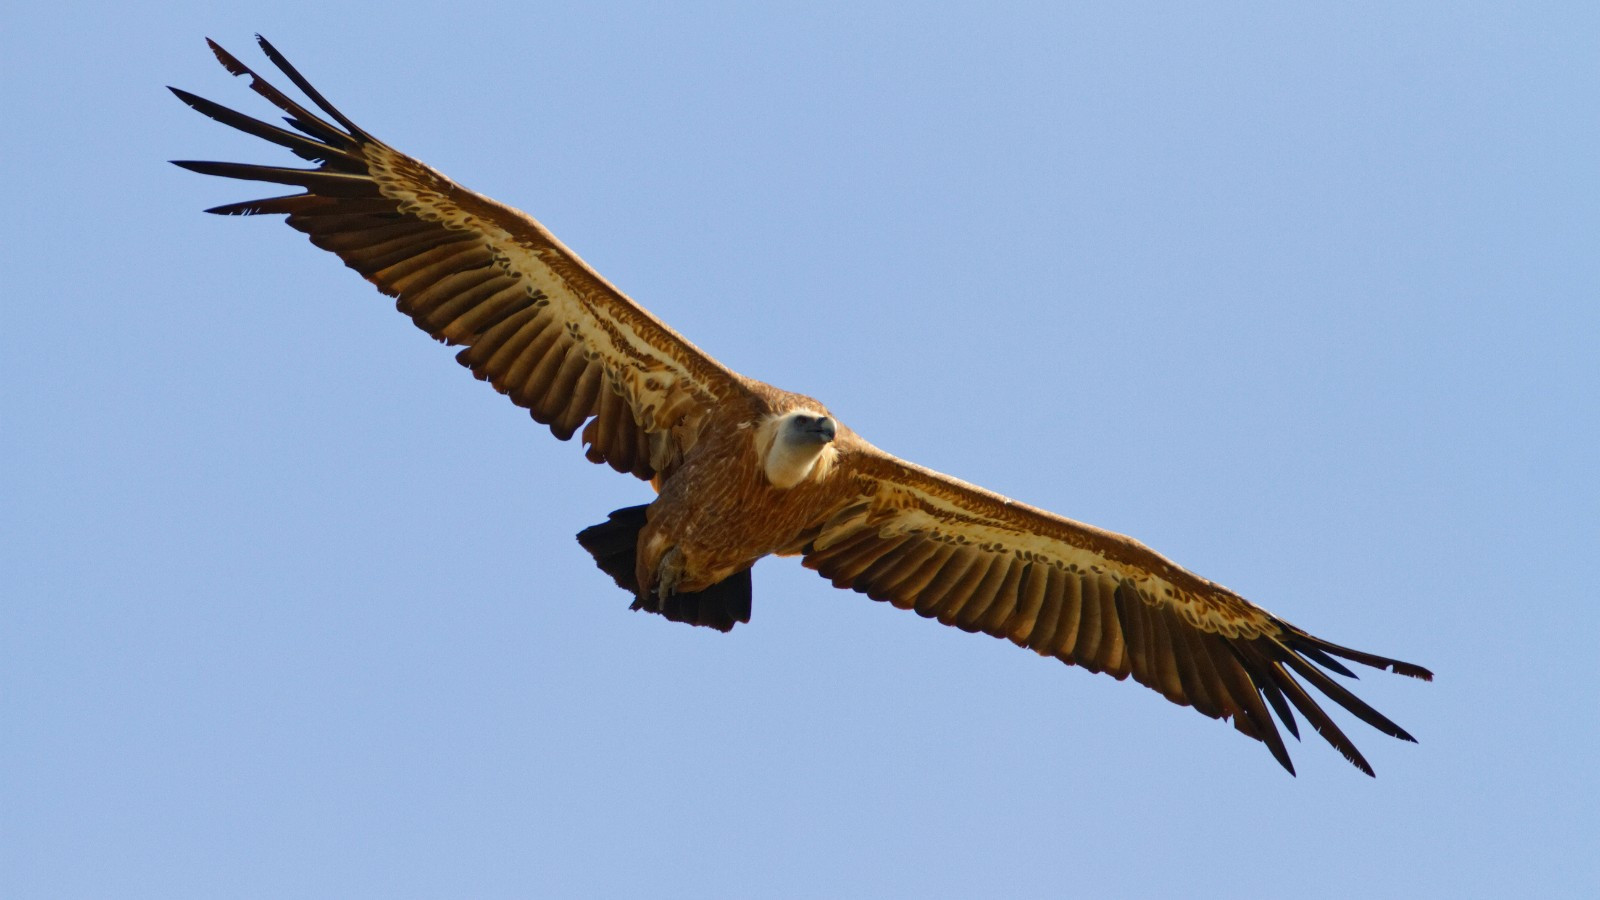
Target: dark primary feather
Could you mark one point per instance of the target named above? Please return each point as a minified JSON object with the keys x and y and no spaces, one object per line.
{"x":302,"y":146}
{"x":299,"y":116}
{"x":326,"y":183}
{"x":305,"y":87}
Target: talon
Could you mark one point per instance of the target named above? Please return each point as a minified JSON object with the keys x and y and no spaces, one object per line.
{"x":669,"y":572}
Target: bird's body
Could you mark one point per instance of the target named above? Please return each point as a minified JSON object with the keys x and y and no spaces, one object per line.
{"x":720,"y":508}
{"x":745,"y":470}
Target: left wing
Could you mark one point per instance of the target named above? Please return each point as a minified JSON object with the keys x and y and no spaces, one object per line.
{"x":967,"y":557}
{"x":537,"y":322}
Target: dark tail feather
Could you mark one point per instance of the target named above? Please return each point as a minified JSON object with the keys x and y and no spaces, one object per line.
{"x":720,"y":606}
{"x":614,"y":544}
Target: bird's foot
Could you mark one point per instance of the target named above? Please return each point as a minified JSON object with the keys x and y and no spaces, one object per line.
{"x":668,"y":573}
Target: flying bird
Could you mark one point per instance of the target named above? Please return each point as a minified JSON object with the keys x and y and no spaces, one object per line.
{"x":744,"y":470}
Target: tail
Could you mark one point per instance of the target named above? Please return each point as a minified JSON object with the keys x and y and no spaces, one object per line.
{"x":614,"y":544}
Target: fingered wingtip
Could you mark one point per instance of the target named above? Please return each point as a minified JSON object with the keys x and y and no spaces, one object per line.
{"x":1354,"y":757}
{"x":227,"y":59}
{"x":1413,"y":671}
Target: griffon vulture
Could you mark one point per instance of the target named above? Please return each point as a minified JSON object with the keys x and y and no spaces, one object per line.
{"x":743,"y":469}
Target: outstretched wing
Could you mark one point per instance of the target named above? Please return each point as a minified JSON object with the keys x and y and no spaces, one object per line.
{"x":534,"y":319}
{"x":973,"y":559}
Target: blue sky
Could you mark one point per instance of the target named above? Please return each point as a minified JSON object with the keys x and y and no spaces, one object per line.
{"x":1304,"y":298}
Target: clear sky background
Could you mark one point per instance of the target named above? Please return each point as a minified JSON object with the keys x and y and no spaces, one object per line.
{"x":1306,"y":298}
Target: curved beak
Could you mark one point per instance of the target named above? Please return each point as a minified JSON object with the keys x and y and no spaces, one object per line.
{"x":821,"y":429}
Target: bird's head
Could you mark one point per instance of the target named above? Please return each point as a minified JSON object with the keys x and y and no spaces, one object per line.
{"x":797,"y":445}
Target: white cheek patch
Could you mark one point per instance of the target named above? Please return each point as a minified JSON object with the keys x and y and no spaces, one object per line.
{"x":788,"y":465}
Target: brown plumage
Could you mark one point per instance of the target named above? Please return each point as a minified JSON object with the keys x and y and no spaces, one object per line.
{"x":744,"y":470}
